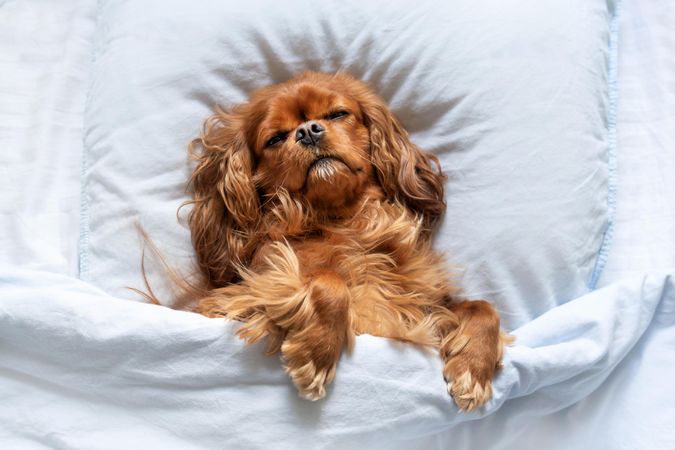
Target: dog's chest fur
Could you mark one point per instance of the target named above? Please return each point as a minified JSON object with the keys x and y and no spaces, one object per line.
{"x":382,"y":254}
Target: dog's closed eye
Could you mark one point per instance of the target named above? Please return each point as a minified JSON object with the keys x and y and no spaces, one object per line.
{"x":277,"y":139}
{"x":337,"y":115}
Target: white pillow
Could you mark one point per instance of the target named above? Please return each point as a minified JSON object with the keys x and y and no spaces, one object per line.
{"x":512,"y":95}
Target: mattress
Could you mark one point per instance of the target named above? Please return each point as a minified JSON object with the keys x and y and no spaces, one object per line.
{"x":45,"y":52}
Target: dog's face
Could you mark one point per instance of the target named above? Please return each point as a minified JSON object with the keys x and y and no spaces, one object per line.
{"x":325,"y":142}
{"x":312,"y":141}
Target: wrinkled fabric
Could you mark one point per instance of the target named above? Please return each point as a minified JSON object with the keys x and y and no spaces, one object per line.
{"x":512,"y":96}
{"x":81,"y":369}
{"x":45,"y":60}
{"x":71,"y":379}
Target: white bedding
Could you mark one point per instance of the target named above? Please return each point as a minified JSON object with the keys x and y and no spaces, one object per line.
{"x":539,"y":119}
{"x":45,"y":50}
{"x":75,"y":387}
{"x":115,"y":374}
{"x":635,"y":407}
{"x":644,"y":237}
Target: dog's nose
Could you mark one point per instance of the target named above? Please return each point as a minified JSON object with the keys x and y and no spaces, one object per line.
{"x":310,"y":133}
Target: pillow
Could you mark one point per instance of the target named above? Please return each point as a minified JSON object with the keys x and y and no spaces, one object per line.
{"x":511,"y":95}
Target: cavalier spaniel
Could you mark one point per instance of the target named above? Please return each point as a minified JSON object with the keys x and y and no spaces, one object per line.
{"x":311,"y":220}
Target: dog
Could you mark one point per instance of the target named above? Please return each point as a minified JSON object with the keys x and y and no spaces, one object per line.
{"x":311,"y":219}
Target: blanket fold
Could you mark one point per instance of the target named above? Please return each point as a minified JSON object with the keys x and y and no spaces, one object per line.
{"x":81,"y":369}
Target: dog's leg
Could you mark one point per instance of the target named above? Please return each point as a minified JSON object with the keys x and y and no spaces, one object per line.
{"x":303,"y":311}
{"x":472,"y":353}
{"x":312,"y":347}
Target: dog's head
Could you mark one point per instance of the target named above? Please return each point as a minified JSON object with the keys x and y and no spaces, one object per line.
{"x":325,"y":140}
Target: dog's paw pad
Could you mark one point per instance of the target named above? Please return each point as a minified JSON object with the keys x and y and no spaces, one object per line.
{"x":468,"y":392}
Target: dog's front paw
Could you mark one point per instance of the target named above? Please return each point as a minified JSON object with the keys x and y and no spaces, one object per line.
{"x":472,"y":354}
{"x":469,"y":392}
{"x":470,"y":366}
{"x":310,"y":359}
{"x":311,"y":380}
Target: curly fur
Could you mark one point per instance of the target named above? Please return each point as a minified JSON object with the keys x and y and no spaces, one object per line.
{"x":311,"y":243}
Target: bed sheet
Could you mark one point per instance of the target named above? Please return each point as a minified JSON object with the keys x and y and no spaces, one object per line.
{"x":45,"y":49}
{"x":644,"y":233}
{"x":634,"y":408}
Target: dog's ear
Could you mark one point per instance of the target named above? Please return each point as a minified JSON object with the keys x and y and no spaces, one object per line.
{"x":226,"y":206}
{"x":405,"y":172}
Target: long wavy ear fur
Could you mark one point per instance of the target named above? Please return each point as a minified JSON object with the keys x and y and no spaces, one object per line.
{"x":405,"y":172}
{"x":226,"y":206}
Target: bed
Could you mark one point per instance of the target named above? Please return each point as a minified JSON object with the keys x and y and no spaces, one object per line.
{"x":83,"y":367}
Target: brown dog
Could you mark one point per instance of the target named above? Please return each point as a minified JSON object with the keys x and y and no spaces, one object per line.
{"x":311,"y":223}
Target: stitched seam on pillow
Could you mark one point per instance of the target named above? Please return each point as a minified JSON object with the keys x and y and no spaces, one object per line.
{"x":83,"y":244}
{"x":613,"y":93}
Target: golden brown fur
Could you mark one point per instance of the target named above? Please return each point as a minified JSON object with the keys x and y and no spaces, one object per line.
{"x":311,"y":220}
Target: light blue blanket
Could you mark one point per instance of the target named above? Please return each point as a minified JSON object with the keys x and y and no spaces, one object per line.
{"x":80,"y":369}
